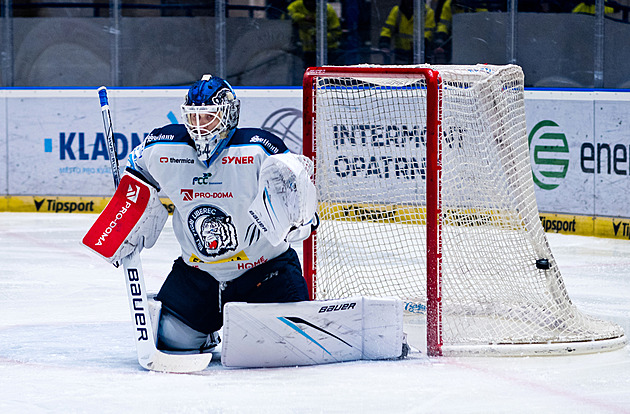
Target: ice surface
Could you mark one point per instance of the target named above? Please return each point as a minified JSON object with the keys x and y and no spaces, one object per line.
{"x":66,"y":344}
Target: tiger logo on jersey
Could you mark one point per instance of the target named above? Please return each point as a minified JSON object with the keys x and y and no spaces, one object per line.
{"x":213,"y":231}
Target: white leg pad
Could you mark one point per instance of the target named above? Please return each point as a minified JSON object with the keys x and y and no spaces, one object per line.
{"x":309,"y":333}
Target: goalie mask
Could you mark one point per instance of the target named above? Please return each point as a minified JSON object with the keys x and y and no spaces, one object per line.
{"x":210,"y":113}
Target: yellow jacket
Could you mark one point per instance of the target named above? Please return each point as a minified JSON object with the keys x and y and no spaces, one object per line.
{"x":446,"y":18}
{"x":307,"y":24}
{"x":590,"y":9}
{"x":400,"y":28}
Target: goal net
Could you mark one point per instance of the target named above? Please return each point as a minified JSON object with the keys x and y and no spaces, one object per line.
{"x":426,"y":194}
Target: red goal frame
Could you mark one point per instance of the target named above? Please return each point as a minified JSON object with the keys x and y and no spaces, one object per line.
{"x":433,"y":178}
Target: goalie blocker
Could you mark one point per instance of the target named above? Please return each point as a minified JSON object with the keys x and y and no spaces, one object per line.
{"x":309,"y":333}
{"x":132,"y":220}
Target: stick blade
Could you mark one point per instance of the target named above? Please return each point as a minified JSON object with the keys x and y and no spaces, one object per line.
{"x":176,"y":363}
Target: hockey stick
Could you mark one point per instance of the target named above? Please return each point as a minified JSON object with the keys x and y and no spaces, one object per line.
{"x":149,"y":356}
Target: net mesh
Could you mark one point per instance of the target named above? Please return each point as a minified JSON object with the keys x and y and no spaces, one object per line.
{"x":370,"y":151}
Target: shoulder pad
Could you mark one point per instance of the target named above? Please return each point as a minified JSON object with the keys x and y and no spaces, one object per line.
{"x":168,"y":133}
{"x":270,"y":142}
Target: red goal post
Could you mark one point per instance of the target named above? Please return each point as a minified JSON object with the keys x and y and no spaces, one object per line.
{"x":425,"y":193}
{"x":432,"y":80}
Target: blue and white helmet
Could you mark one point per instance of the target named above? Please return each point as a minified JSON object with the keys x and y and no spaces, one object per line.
{"x":210,"y":112}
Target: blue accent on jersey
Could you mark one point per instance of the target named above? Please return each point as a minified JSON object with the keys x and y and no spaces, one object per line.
{"x":131,"y":161}
{"x":219,"y":148}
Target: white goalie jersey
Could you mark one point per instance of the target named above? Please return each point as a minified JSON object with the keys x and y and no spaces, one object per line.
{"x":211,"y":219}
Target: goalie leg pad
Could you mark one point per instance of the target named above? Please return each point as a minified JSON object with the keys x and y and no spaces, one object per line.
{"x":308,"y":333}
{"x":133,"y":219}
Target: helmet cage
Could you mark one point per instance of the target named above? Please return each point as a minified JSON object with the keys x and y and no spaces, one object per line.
{"x":209,"y":124}
{"x":204,"y":122}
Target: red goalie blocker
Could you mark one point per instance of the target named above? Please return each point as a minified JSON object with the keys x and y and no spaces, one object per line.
{"x":119,"y":218}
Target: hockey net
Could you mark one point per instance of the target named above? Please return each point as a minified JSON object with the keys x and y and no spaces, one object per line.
{"x":426,"y":194}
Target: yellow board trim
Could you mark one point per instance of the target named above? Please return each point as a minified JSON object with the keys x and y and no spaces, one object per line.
{"x":382,"y":213}
{"x":55,"y":204}
{"x":61,"y":204}
{"x":608,"y":227}
{"x":391,"y":213}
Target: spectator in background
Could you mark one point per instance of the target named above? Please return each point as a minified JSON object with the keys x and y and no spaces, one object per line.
{"x":303,"y":13}
{"x":444,"y":10}
{"x":588,"y":7}
{"x":442,"y":43}
{"x":397,"y":33}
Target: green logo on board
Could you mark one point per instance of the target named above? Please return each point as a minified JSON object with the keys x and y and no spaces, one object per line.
{"x":549,"y":150}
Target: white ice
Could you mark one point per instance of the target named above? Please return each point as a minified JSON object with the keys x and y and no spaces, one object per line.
{"x":66,"y":345}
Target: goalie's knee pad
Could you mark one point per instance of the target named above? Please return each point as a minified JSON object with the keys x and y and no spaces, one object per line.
{"x":175,"y":335}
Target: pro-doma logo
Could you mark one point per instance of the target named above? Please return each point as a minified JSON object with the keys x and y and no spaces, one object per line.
{"x":549,"y":151}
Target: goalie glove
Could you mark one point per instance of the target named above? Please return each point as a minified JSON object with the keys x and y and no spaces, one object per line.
{"x":286,"y":199}
{"x":301,"y":233}
{"x":132,"y":220}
